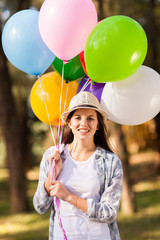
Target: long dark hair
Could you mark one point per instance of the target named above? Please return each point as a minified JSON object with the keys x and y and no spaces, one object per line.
{"x":100,"y":137}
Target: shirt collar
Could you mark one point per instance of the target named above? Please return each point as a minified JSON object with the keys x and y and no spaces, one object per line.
{"x":100,"y":152}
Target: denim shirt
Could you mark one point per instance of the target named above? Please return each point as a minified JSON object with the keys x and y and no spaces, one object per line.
{"x":110,"y":173}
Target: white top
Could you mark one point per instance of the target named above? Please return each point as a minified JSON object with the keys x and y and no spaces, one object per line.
{"x":79,"y":177}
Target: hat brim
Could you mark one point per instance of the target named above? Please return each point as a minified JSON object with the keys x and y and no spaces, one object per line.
{"x":65,"y":115}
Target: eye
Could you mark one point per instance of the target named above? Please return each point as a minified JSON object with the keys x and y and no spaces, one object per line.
{"x":77,"y":117}
{"x":91,"y":119}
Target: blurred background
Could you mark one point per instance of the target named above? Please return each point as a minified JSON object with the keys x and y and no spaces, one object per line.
{"x":23,"y":140}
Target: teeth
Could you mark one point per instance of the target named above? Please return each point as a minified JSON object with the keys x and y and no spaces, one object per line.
{"x":81,"y":130}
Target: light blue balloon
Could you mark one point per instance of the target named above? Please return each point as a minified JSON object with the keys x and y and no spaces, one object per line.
{"x":23,"y":45}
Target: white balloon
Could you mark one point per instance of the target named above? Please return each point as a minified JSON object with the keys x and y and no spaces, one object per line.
{"x":134,"y":100}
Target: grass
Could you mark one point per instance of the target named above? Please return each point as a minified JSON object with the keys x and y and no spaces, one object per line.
{"x":21,"y":226}
{"x":145,"y":223}
{"x":142,"y":225}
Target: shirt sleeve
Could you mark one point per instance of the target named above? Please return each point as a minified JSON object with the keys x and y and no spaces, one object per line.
{"x":41,"y":200}
{"x":107,"y":209}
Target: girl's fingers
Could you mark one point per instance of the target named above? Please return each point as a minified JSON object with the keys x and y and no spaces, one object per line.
{"x":53,"y":188}
{"x":53,"y":184}
{"x":56,"y":153}
{"x":55,"y":156}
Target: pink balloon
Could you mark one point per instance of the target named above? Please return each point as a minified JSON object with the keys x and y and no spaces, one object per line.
{"x":65,"y":25}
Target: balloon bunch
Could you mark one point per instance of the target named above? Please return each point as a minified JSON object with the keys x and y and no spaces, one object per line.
{"x":67,"y":36}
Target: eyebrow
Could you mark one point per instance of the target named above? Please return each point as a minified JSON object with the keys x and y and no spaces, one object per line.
{"x":87,"y":116}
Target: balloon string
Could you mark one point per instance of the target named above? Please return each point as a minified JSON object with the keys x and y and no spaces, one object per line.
{"x":59,"y":137}
{"x":60,"y":140}
{"x":84,"y":86}
{"x":46,"y":110}
{"x":57,"y":200}
{"x":88,"y":82}
{"x":60,"y":103}
{"x":66,"y":96}
{"x":57,"y":145}
{"x":91,"y":86}
{"x":61,"y":133}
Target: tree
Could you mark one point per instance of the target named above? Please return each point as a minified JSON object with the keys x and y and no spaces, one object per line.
{"x":120,"y":148}
{"x":157,"y":142}
{"x":14,"y":134}
{"x":153,"y":30}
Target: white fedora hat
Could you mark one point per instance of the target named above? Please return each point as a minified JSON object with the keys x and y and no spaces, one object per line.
{"x":87,"y":100}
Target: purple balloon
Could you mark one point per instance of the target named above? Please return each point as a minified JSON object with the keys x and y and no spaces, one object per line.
{"x":96,"y":88}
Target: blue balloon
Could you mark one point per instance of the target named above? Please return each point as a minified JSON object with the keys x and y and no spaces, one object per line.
{"x":23,"y":45}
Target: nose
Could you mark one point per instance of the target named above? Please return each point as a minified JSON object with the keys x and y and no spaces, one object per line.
{"x":84,"y":121}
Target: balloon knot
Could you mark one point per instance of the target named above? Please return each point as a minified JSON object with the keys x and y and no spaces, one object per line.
{"x":65,"y":61}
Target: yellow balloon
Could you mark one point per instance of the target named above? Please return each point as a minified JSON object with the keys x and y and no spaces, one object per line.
{"x":51,"y":85}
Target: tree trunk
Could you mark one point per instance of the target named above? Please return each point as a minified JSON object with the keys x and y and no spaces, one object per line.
{"x":101,"y":12}
{"x":12,"y":132}
{"x":153,"y":31}
{"x":22,"y":4}
{"x":127,"y":202}
{"x":157,"y":142}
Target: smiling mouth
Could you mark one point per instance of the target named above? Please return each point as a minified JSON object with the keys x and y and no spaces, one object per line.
{"x":83,"y":130}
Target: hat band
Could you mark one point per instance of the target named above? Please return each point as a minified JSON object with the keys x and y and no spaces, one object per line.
{"x":84,"y":106}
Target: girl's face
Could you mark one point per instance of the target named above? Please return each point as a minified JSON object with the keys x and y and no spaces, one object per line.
{"x":84,"y":124}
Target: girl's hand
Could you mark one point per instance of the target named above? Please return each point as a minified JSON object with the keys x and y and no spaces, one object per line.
{"x":58,"y":190}
{"x":58,"y":167}
{"x":58,"y":162}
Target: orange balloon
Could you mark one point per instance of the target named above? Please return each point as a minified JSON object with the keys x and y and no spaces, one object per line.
{"x":51,"y":85}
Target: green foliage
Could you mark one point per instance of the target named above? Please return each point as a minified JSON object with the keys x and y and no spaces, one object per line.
{"x":38,"y":135}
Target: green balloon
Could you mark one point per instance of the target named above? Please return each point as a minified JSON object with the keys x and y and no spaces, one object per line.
{"x":115,"y":49}
{"x":72,"y":69}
